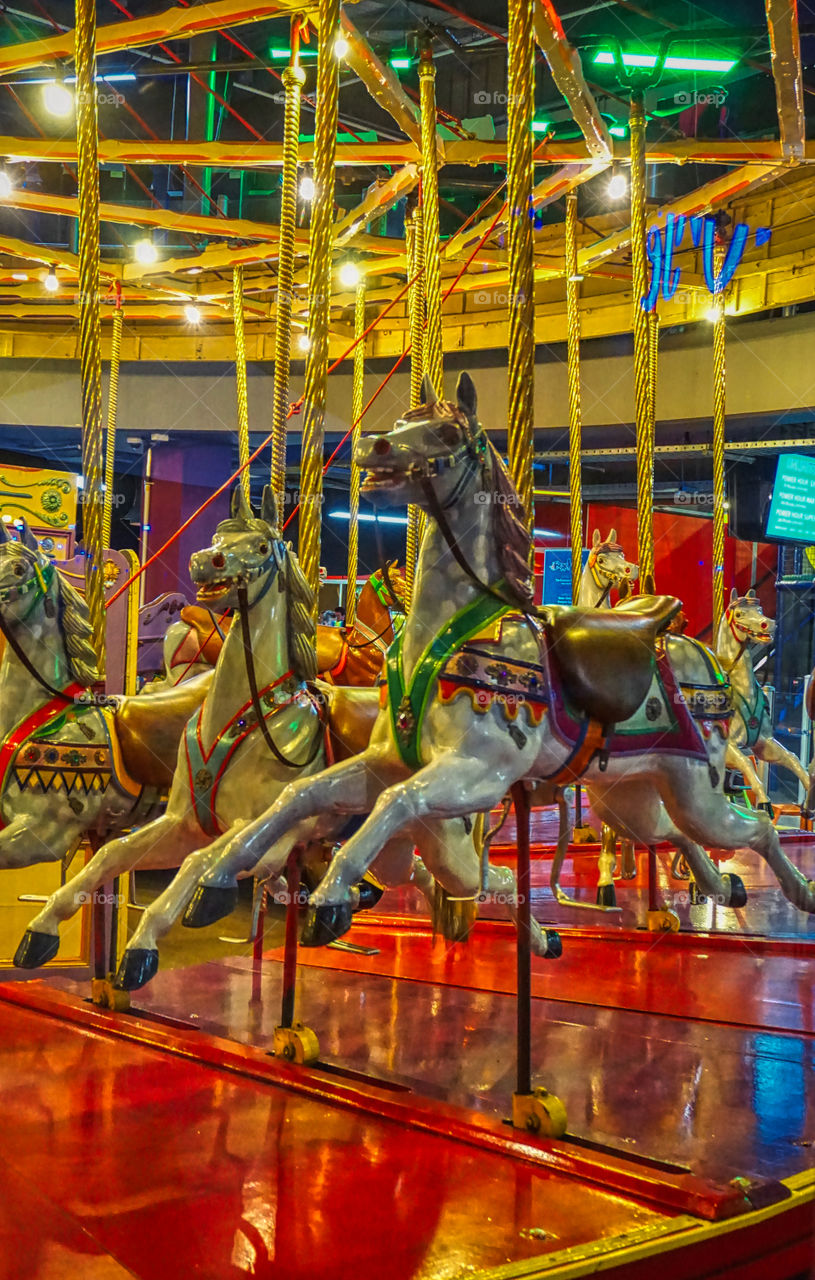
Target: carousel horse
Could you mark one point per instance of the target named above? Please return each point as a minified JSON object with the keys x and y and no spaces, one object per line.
{"x":606,"y":570}
{"x":751,"y":728}
{"x":259,"y":726}
{"x":344,"y":655}
{"x":72,"y":763}
{"x":482,"y":694}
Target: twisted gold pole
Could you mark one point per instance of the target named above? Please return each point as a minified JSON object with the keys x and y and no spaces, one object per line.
{"x":432,"y":355}
{"x":319,"y":294}
{"x":415,"y":261}
{"x":90,"y":354}
{"x":357,"y":405}
{"x":642,"y":389}
{"x":719,"y":411}
{"x":575,"y":417}
{"x":240,"y":377}
{"x":293,"y":78}
{"x":521,"y":106}
{"x":110,"y":441}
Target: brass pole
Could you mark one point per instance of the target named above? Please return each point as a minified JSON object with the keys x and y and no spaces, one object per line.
{"x":357,"y":406}
{"x":113,"y":401}
{"x":415,"y":260}
{"x":719,"y":413}
{"x":644,"y":419}
{"x":573,"y":370}
{"x":319,"y":291}
{"x":90,"y":354}
{"x":433,"y":348}
{"x":293,"y":78}
{"x":240,"y":377}
{"x":521,"y":106}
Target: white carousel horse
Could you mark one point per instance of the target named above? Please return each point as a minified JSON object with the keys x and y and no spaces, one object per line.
{"x":751,"y":730}
{"x":606,"y":570}
{"x":227,"y":769}
{"x":70,"y":764}
{"x":480,"y":697}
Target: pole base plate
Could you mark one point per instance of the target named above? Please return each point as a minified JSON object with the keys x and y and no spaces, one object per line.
{"x":539,"y":1112}
{"x":296,"y":1044}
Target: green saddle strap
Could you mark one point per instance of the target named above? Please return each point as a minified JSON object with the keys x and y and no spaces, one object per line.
{"x":408,"y":705}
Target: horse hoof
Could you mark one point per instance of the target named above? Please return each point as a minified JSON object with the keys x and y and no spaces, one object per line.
{"x":554,"y":944}
{"x":369,"y":895}
{"x":326,"y":924}
{"x":606,"y":897}
{"x":138,"y":966}
{"x":209,"y":904}
{"x":737,"y":896}
{"x":36,"y":949}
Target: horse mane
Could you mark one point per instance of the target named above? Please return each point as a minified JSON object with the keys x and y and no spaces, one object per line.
{"x":511,"y":533}
{"x":77,"y":631}
{"x":301,"y":629}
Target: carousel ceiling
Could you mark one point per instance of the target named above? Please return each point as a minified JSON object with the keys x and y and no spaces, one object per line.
{"x":190,"y":120}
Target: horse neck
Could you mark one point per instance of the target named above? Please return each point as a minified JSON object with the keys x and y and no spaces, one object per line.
{"x":371,"y":614}
{"x":43,"y":643}
{"x":229,"y":690}
{"x":442,"y":587}
{"x":590,"y":594}
{"x":734,"y":656}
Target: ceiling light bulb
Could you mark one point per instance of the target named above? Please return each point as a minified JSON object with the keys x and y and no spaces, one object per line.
{"x":617,"y":186}
{"x":192,"y":314}
{"x":341,"y":46}
{"x":58,"y":100}
{"x":712,"y":314}
{"x":19,"y":275}
{"x":6,"y":185}
{"x":145,"y":251}
{"x":349,"y":275}
{"x":51,"y":283}
{"x":307,"y":188}
{"x":303,"y":342}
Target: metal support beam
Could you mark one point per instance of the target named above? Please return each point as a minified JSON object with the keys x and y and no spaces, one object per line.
{"x":381,"y":82}
{"x":567,"y":73}
{"x":785,"y":43}
{"x":378,"y":200}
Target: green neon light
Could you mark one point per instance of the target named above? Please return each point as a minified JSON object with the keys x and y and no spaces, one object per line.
{"x":279,"y":54}
{"x":541,"y":126}
{"x":607,"y":59}
{"x":401,"y":63}
{"x":618,"y":130}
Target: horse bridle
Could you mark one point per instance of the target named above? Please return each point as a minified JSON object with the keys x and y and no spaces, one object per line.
{"x":41,"y":579}
{"x":278,"y":554}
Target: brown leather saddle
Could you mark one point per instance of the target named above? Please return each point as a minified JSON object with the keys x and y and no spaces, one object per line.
{"x":208,"y":642}
{"x":149,"y":728}
{"x":605,"y":658}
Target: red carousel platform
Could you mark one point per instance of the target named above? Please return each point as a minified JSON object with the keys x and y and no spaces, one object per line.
{"x":685,"y":1062}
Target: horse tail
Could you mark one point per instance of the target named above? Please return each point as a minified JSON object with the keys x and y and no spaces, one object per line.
{"x":453,"y":918}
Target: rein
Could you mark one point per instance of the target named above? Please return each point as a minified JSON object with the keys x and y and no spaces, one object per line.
{"x":23,"y":657}
{"x":246,"y":634}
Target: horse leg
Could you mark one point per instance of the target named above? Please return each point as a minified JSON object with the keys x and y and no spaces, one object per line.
{"x":159,"y":844}
{"x":708,"y":818}
{"x":736,"y":759}
{"x":345,"y":788}
{"x":771,"y":752}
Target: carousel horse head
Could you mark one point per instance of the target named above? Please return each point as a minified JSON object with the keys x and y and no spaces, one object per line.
{"x":32,"y":592}
{"x":390,"y":587}
{"x":248,"y":552}
{"x":745,"y":618}
{"x":608,"y":565}
{"x":438,"y":456}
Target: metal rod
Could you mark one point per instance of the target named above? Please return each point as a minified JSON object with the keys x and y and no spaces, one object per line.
{"x":719,"y":418}
{"x":524,"y":949}
{"x":290,"y":945}
{"x":653,"y":904}
{"x":645,"y":432}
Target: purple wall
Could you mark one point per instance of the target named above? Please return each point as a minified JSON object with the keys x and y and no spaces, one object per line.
{"x":183,"y":477}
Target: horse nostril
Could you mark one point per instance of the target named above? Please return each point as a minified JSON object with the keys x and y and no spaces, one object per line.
{"x":381,"y":445}
{"x":218,"y":560}
{"x":764,"y":626}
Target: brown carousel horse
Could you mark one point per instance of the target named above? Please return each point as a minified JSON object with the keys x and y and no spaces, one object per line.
{"x":345,"y":655}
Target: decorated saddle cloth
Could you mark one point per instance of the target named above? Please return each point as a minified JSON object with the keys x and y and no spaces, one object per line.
{"x":752,"y":711}
{"x":67,"y":748}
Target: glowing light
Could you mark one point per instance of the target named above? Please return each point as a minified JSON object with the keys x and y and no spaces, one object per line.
{"x":193,"y":315}
{"x":368,"y":518}
{"x":618,"y":130}
{"x":349,"y":275}
{"x":607,"y":59}
{"x":341,"y":47}
{"x":541,"y":126}
{"x":401,"y":62}
{"x":712,"y":314}
{"x":307,"y":188}
{"x":145,"y":251}
{"x":6,"y":185}
{"x":58,"y":100}
{"x":303,"y":342}
{"x":617,"y":186}
{"x":19,"y":275}
{"x":50,"y":282}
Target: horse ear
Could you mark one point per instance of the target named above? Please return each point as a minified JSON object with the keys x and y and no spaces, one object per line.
{"x":751,"y":595}
{"x":27,"y":537}
{"x":596,"y":539}
{"x":734,"y":595}
{"x":239,"y":508}
{"x":612,"y":536}
{"x":466,"y":396}
{"x":268,"y":507}
{"x":428,"y":391}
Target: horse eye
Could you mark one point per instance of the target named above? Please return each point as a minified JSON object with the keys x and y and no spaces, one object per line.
{"x":19,"y":570}
{"x":448,"y":434}
{"x":263,"y":548}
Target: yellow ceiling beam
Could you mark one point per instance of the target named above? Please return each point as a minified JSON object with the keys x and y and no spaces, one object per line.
{"x":381,"y":81}
{"x":785,"y":46}
{"x":216,"y":155}
{"x":567,"y":73}
{"x":172,"y":24}
{"x":378,"y":199}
